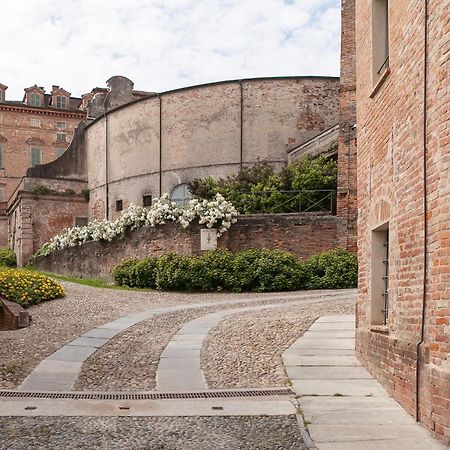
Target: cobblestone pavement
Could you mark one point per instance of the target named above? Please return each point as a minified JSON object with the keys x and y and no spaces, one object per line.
{"x":245,"y":350}
{"x":56,"y":323}
{"x":155,"y":433}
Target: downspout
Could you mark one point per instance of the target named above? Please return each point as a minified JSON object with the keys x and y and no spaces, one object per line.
{"x":241,"y":144}
{"x":105,"y":116}
{"x":425,"y":212}
{"x":160,"y":145}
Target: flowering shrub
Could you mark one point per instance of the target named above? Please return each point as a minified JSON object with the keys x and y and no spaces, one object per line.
{"x":28,"y":288}
{"x":217,"y":213}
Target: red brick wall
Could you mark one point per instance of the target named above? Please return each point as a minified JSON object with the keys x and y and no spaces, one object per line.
{"x":302,"y":235}
{"x":346,"y":193}
{"x":391,"y":189}
{"x":12,"y":316}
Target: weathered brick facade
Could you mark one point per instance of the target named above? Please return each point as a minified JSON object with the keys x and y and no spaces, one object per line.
{"x":302,"y":234}
{"x":403,"y":185}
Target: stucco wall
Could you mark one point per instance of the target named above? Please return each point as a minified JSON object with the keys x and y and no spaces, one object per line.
{"x":302,"y":234}
{"x":159,"y":142}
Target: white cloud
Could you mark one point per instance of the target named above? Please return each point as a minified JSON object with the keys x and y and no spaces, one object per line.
{"x":164,"y":44}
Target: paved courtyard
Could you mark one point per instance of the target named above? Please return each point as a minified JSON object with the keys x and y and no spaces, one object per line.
{"x":124,"y":369}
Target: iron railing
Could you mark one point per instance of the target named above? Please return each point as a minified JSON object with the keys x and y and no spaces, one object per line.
{"x":273,"y":202}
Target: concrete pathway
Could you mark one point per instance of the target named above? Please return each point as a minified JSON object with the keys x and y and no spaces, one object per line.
{"x":344,"y":406}
{"x":60,"y":371}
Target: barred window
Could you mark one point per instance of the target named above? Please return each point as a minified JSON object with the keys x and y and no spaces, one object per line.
{"x":2,"y":156}
{"x":181,"y":194}
{"x":119,"y":205}
{"x":35,"y":157}
{"x":147,"y":200}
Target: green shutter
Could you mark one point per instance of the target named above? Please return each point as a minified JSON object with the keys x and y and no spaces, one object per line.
{"x":35,"y":157}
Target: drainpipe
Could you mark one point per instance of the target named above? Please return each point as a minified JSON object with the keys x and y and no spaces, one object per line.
{"x":241,"y":145}
{"x":160,"y":145}
{"x":425,"y":212}
{"x":106,"y":165}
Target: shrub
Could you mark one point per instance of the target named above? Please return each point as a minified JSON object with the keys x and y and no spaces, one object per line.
{"x":173,"y":273}
{"x":258,"y":188}
{"x":28,"y":288}
{"x":7,"y":257}
{"x":335,"y":269}
{"x":259,"y":270}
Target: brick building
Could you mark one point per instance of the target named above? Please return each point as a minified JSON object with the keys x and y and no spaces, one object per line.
{"x":403,"y":169}
{"x":34,"y":131}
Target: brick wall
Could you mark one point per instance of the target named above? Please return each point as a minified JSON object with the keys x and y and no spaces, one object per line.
{"x":36,"y":217}
{"x":346,"y":193}
{"x":391,"y":180}
{"x":12,"y":316}
{"x":303,"y":235}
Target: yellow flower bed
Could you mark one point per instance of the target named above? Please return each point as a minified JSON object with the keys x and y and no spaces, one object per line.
{"x":28,"y":288}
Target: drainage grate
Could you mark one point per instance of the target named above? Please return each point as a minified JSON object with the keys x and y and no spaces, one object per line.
{"x":145,"y":395}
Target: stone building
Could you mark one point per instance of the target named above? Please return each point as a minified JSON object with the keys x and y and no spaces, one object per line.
{"x":135,"y":146}
{"x":403,"y":123}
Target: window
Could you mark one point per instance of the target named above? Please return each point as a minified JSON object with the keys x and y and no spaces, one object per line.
{"x":147,"y":200}
{"x":60,"y":137}
{"x":380,"y":39}
{"x":380,"y":276}
{"x":35,"y":123}
{"x":181,"y":194}
{"x":81,"y":221}
{"x":2,"y":96}
{"x":119,"y":205}
{"x":2,"y":156}
{"x":35,"y":99}
{"x":61,"y":102}
{"x":60,"y":151}
{"x":2,"y":192}
{"x":61,"y":125}
{"x":35,"y":157}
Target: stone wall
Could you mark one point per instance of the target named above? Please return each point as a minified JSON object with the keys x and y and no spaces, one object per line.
{"x":402,"y":169}
{"x":35,"y":216}
{"x":151,"y":146}
{"x":301,"y":234}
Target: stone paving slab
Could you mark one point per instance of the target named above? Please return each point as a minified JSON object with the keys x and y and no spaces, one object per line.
{"x":89,"y":342}
{"x":367,"y":418}
{"x":72,"y":353}
{"x":180,"y":379}
{"x":336,"y":334}
{"x":364,"y":432}
{"x":325,"y":326}
{"x":180,"y":407}
{"x":102,"y":333}
{"x":341,"y":387}
{"x":385,"y":444}
{"x":336,"y":319}
{"x":328,"y":373}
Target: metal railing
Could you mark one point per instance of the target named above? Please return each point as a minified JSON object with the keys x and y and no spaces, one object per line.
{"x":273,"y":202}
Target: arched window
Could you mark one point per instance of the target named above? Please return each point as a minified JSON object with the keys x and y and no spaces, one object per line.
{"x":181,"y":194}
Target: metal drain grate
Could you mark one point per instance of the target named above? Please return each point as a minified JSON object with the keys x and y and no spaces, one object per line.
{"x":145,"y":395}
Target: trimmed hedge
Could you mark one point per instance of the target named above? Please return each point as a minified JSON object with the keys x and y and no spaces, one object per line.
{"x":259,"y":270}
{"x":28,"y":288}
{"x":7,"y":257}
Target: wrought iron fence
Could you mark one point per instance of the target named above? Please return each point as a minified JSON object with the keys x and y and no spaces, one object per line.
{"x":264,"y":202}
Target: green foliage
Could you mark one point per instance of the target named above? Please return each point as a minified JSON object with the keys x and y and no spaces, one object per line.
{"x":7,"y":257}
{"x":41,"y":189}
{"x":335,"y":269}
{"x":258,"y":188}
{"x":28,"y":288}
{"x":132,"y":272}
{"x":259,"y":270}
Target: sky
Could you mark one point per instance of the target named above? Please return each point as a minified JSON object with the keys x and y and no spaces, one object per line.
{"x":164,"y":44}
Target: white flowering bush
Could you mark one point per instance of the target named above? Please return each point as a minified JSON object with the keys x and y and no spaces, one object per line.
{"x":217,"y":213}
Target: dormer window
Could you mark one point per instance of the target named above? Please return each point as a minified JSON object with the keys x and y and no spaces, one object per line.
{"x":2,"y":96}
{"x":61,"y":102}
{"x":35,"y":99}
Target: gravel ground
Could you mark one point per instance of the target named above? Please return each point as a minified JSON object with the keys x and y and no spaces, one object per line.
{"x":244,"y":350}
{"x":58,"y":322}
{"x":156,"y":433}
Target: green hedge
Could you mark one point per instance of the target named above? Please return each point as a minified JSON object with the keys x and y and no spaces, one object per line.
{"x":7,"y":257}
{"x":259,"y":270}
